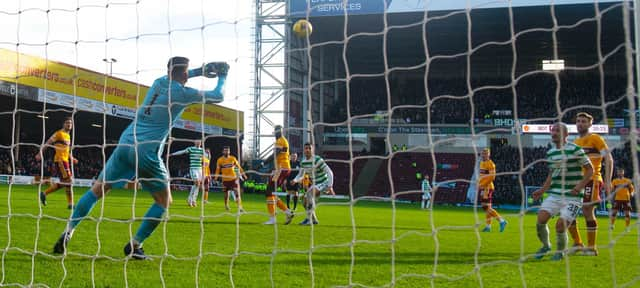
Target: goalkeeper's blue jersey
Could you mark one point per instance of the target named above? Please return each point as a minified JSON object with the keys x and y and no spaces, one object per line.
{"x":164,"y":103}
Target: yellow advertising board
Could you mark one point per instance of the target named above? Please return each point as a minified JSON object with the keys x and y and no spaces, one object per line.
{"x":71,"y":80}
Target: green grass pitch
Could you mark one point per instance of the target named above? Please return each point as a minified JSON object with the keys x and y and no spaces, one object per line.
{"x":366,"y":244}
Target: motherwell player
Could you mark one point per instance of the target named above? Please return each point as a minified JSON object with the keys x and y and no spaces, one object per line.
{"x":623,"y":189}
{"x":486,"y":188}
{"x":61,"y":141}
{"x":225,"y":169}
{"x":597,"y":149}
{"x":281,"y":171}
{"x":206,"y":174}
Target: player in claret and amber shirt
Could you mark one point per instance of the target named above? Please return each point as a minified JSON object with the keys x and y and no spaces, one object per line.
{"x":486,"y":188}
{"x":597,"y":150}
{"x":226,"y":167}
{"x":61,"y":141}
{"x":623,"y":189}
{"x":281,"y":171}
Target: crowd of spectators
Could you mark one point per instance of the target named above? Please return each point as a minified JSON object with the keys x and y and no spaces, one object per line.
{"x":509,"y":169}
{"x":450,"y":101}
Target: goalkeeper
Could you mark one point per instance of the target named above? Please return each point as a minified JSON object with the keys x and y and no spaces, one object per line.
{"x":138,"y":154}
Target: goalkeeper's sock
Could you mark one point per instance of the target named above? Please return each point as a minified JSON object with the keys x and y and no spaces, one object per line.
{"x":149,"y":224}
{"x":84,"y":206}
{"x":543,"y":234}
{"x":575,"y":235}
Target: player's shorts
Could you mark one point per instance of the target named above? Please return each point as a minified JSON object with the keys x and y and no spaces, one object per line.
{"x":284,"y":175}
{"x":592,"y":192}
{"x":485,"y":195}
{"x":426,"y":196}
{"x":230,"y":185}
{"x":195,"y":173}
{"x":624,"y":205}
{"x":63,"y":170}
{"x":321,"y":188}
{"x":567,"y":207}
{"x":122,"y":167}
{"x":292,"y":186}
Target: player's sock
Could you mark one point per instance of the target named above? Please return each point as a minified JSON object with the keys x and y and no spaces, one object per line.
{"x":151,"y":221}
{"x":592,"y":233}
{"x":281,"y":205}
{"x":562,"y":241}
{"x":627,"y":221}
{"x":51,"y":189}
{"x":295,"y":202}
{"x":84,"y":206}
{"x":543,"y":234}
{"x":575,"y":235}
{"x":288,"y":201}
{"x":193,"y":194}
{"x":271,"y":205}
{"x":239,"y":201}
{"x":69,"y":195}
{"x":488,"y":218}
{"x":498,"y":216}
{"x":206,"y":195}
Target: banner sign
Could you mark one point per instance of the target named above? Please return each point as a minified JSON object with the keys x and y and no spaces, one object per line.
{"x":302,"y":8}
{"x":533,"y":128}
{"x":415,"y":129}
{"x":64,"y":83}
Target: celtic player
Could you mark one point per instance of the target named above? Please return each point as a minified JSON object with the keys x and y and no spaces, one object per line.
{"x":322,"y":177}
{"x":195,"y":170}
{"x":565,"y":185}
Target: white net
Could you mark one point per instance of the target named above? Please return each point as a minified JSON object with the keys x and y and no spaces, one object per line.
{"x":387,"y":91}
{"x":416,"y":88}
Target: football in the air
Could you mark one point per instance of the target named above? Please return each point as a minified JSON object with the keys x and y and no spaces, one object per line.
{"x":302,"y":28}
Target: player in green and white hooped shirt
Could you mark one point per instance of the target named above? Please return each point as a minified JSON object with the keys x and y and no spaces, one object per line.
{"x":426,"y":192}
{"x":321,"y":177}
{"x":565,"y":187}
{"x":195,"y":169}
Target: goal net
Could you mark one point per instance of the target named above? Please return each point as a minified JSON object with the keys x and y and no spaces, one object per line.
{"x":399,"y":97}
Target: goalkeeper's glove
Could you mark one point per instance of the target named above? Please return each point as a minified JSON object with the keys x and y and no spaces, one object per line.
{"x":213,"y":69}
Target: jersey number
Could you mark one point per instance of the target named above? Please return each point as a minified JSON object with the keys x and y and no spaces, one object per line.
{"x":147,"y":110}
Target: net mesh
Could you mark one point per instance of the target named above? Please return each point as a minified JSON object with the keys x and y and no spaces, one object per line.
{"x":357,"y":93}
